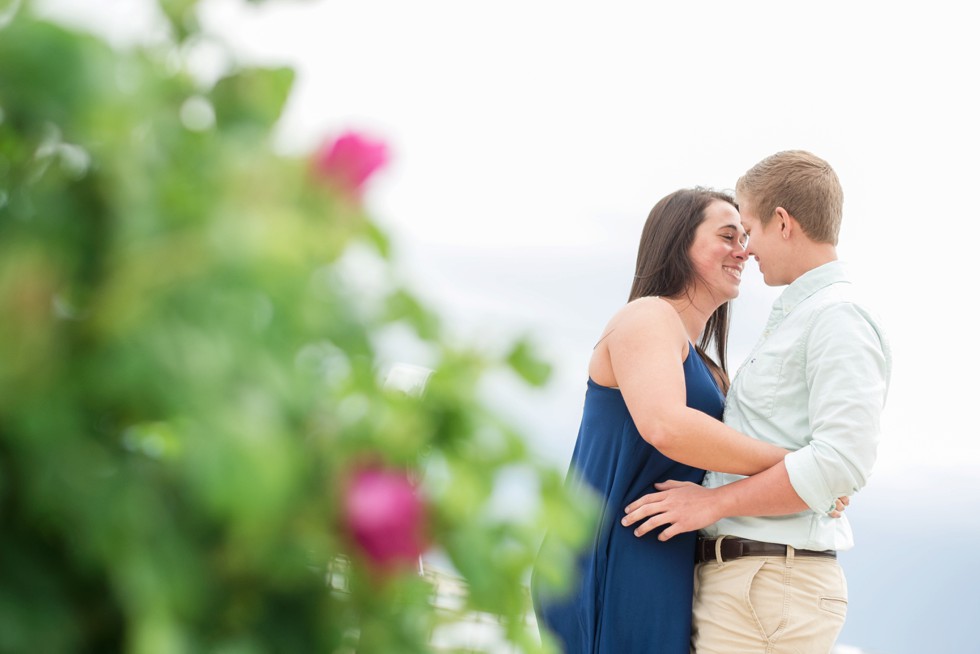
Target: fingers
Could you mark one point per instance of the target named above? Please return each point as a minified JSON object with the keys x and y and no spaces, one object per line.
{"x":651,"y":524}
{"x":669,"y":533}
{"x":840,"y":504}
{"x":643,"y":501}
{"x":651,"y":510}
{"x":642,"y":511}
{"x":656,"y":497}
{"x":670,"y":483}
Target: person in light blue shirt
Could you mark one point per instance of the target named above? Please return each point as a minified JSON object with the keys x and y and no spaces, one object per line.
{"x":815,"y":383}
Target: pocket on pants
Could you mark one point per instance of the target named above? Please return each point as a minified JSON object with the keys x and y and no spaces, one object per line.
{"x":766,"y":596}
{"x":835,"y":605}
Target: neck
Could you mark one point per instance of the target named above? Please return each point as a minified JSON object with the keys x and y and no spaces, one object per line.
{"x":813,"y":255}
{"x":694,"y":311}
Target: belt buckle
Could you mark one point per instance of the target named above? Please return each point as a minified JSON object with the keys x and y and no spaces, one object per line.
{"x":731,"y":549}
{"x":722,"y":549}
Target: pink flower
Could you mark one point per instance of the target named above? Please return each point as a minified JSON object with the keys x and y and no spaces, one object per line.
{"x":385,"y":517}
{"x":349,"y":161}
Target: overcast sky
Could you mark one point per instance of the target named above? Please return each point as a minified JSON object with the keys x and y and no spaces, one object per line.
{"x":530,"y":140}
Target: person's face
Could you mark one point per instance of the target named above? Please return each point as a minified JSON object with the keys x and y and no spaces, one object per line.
{"x":718,"y":252}
{"x":765,"y":243}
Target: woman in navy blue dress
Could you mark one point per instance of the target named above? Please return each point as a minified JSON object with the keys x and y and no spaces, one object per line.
{"x":653,"y":408}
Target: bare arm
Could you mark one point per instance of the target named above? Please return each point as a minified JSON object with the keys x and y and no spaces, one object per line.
{"x":689,"y":507}
{"x":646,"y":351}
{"x":847,"y":376}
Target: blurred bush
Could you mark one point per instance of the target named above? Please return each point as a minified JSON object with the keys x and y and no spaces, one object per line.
{"x":193,"y":412}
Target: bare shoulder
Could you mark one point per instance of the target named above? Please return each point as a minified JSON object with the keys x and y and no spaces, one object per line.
{"x":645,"y":316}
{"x":642,"y":331}
{"x":645,"y":311}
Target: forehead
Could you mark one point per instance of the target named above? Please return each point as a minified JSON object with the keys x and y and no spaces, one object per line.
{"x":746,"y":205}
{"x":749,"y":220}
{"x":721,"y":214}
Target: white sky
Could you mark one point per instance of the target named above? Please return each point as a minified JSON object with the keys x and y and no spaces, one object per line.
{"x":530,"y":139}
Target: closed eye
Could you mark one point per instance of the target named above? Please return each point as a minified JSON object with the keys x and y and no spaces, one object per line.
{"x":742,"y":240}
{"x":733,"y":234}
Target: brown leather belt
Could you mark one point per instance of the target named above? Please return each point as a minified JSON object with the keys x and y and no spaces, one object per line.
{"x":733,"y":548}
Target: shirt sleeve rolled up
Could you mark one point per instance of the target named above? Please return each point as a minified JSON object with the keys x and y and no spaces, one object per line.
{"x":847,"y":366}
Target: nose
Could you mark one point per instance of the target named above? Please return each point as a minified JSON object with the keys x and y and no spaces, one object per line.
{"x":741,"y":251}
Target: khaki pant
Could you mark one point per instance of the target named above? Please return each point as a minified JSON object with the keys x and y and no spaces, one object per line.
{"x":768,"y":605}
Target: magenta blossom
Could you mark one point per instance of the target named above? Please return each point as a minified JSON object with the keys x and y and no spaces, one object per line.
{"x":349,"y":161}
{"x":385,"y":516}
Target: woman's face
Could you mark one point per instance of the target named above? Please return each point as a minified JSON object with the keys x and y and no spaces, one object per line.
{"x":719,"y":250}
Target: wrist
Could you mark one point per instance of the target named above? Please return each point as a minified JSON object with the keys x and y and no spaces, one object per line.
{"x":723,"y":503}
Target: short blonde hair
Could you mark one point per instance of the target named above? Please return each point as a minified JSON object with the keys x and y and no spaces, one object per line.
{"x":801,"y":183}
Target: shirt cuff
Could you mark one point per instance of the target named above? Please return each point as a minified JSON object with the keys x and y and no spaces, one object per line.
{"x":808,"y":481}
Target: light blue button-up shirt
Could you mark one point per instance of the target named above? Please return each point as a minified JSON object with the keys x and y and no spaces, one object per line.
{"x":815,"y":383}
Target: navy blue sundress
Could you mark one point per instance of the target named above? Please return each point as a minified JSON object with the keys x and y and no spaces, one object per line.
{"x":633,"y":594}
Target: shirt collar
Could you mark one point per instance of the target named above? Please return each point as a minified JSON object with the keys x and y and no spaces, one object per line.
{"x":810,"y":282}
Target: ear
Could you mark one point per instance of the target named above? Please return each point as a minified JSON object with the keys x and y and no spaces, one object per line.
{"x":787,"y":224}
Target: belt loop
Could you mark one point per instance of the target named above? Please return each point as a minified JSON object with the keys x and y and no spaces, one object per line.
{"x":790,"y":555}
{"x":718,"y":556}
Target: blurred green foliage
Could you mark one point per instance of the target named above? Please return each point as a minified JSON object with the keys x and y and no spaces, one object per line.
{"x":185,"y":378}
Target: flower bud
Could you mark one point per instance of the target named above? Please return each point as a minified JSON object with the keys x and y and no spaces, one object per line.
{"x":349,"y":161}
{"x":385,"y":517}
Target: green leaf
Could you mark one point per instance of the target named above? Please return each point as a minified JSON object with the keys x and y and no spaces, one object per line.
{"x":181,"y":15}
{"x":378,"y":239}
{"x":402,"y":305}
{"x":528,"y":365}
{"x":253,"y":97}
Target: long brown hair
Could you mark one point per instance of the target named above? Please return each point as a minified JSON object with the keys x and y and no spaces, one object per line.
{"x":664,"y":267}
